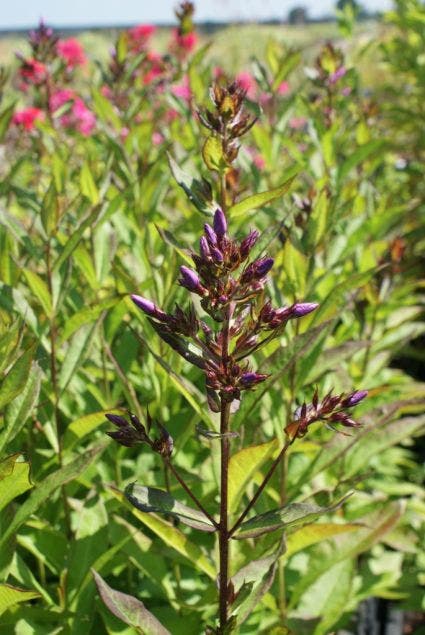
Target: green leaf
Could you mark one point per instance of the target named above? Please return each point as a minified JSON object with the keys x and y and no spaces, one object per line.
{"x":360,"y":155}
{"x":150,"y":499}
{"x":5,"y":119}
{"x":14,"y":478}
{"x":39,"y":290}
{"x":376,"y":526}
{"x":43,"y":490}
{"x":15,"y":380}
{"x":171,"y":536}
{"x":311,"y":534}
{"x":88,"y":185}
{"x":77,"y":351}
{"x":212,"y":153}
{"x":259,"y":200}
{"x":197,"y":191}
{"x":10,"y":595}
{"x":332,"y":594}
{"x":288,"y":516}
{"x":242,"y":467}
{"x":71,"y":242}
{"x":85,"y":316}
{"x":128,"y":609}
{"x":83,"y":426}
{"x":50,"y":209}
{"x":18,"y":410}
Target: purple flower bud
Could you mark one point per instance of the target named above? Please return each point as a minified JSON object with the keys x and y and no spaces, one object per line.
{"x":220,"y":223}
{"x":217,"y":255}
{"x":263,"y":266}
{"x":302,"y":308}
{"x":189,"y":279}
{"x":248,"y":243}
{"x":334,"y":77}
{"x":204,"y":248}
{"x":210,"y":234}
{"x":149,"y":307}
{"x":117,"y":420}
{"x":251,"y":379}
{"x":354,"y":398}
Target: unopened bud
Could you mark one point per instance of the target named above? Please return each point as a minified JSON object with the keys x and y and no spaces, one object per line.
{"x":149,"y":308}
{"x":354,"y":398}
{"x":300,"y":309}
{"x":220,"y":223}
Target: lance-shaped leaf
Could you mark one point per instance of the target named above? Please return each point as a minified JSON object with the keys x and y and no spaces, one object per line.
{"x":14,"y":478}
{"x":129,"y":609}
{"x":282,"y":518}
{"x":151,"y":499}
{"x":197,"y":191}
{"x":259,"y":200}
{"x":242,"y":467}
{"x":10,"y":595}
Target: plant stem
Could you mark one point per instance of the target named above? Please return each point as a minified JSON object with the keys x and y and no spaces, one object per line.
{"x":224,"y":480}
{"x":55,"y":383}
{"x":258,"y":493}
{"x":190,"y":493}
{"x":224,"y":531}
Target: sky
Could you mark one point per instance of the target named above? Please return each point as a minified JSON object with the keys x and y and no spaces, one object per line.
{"x":26,"y":13}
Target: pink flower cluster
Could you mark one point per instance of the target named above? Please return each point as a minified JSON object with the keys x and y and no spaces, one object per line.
{"x":139,"y":36}
{"x":78,"y":117}
{"x":27,"y":117}
{"x":71,"y":52}
{"x":185,"y":42}
{"x":33,"y":72}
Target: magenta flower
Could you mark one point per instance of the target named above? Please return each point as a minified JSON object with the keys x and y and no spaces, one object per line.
{"x":247,"y":82}
{"x":27,"y":118}
{"x":33,"y":72}
{"x":71,"y":52}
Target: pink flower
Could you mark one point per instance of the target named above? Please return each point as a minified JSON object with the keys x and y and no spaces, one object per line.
{"x":139,"y":35}
{"x":71,"y":52}
{"x":185,"y":41}
{"x":297,"y":123}
{"x":157,"y":138}
{"x":171,"y":115}
{"x":283,"y":88}
{"x":33,"y":72}
{"x":259,"y":162}
{"x":85,"y":120}
{"x":106,"y":91}
{"x":346,"y":91}
{"x":124,"y":132}
{"x":334,"y":77}
{"x":27,"y":117}
{"x":59,"y":98}
{"x":182,"y":90}
{"x":247,"y":82}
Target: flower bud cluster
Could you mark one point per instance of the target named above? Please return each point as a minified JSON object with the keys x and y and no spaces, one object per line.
{"x":231,"y":289}
{"x":230,"y":120}
{"x":131,"y":432}
{"x":331,"y":409}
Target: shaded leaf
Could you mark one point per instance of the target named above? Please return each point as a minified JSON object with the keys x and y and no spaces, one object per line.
{"x":242,"y":467}
{"x":151,"y":499}
{"x":288,"y":516}
{"x":193,"y":188}
{"x":128,"y":609}
{"x":14,"y":478}
{"x":15,"y":380}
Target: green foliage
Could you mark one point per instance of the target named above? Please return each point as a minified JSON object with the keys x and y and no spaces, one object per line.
{"x":334,"y":182}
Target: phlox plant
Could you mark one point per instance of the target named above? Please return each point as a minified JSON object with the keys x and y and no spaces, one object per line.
{"x":239,"y":320}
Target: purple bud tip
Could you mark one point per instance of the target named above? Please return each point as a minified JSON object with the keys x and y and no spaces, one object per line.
{"x":217,"y":255}
{"x":204,"y":247}
{"x":146,"y":305}
{"x":210,"y":234}
{"x":220,"y":223}
{"x":189,"y":278}
{"x":354,"y":398}
{"x":264,"y":266}
{"x":116,"y":420}
{"x":303,"y":308}
{"x":250,"y":379}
